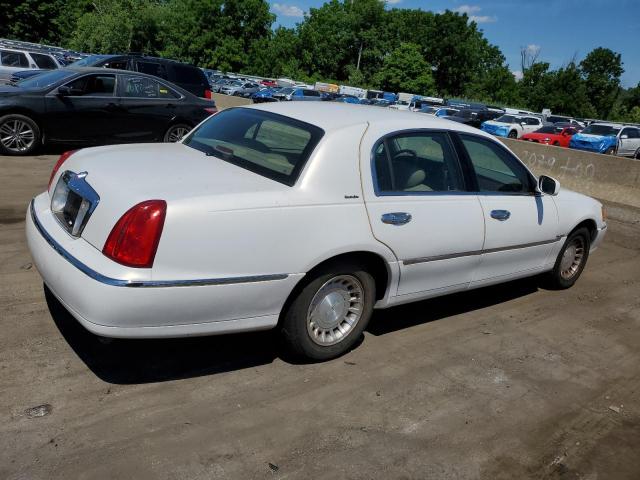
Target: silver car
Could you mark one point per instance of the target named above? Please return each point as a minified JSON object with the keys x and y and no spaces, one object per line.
{"x":12,"y":61}
{"x":629,"y":143}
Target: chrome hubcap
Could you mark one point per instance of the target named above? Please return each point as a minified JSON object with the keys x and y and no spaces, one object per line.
{"x":335,"y":310}
{"x":176,"y":134}
{"x":572,"y":258}
{"x":16,"y":135}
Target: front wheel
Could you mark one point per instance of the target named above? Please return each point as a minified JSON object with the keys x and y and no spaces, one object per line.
{"x":513,"y":134}
{"x":176,"y":132}
{"x":571,"y":260}
{"x":610,"y":151}
{"x":329,"y":313}
{"x":19,"y":135}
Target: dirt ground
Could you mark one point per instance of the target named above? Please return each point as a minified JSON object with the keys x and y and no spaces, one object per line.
{"x":508,"y":382}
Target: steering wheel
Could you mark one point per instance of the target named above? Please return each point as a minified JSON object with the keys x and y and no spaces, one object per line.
{"x":406,"y":152}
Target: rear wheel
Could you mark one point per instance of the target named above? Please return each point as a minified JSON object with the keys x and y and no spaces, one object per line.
{"x":571,"y":260}
{"x":176,"y":132}
{"x":513,"y":134}
{"x":637,"y":155}
{"x":329,"y":313}
{"x":19,"y":135}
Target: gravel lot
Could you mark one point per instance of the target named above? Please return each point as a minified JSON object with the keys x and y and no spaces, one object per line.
{"x":508,"y":382}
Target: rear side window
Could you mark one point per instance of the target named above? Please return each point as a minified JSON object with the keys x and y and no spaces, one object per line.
{"x":44,"y":61}
{"x":271,"y":145}
{"x":416,"y":163}
{"x":150,"y":68}
{"x":142,"y":87}
{"x":496,"y":170}
{"x":13,"y":59}
{"x":189,"y":75}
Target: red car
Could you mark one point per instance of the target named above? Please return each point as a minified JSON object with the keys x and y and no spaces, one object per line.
{"x":269,"y":83}
{"x":551,"y":135}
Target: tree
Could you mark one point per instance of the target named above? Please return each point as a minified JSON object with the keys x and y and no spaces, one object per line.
{"x":601,"y":70}
{"x":406,"y":70}
{"x":30,"y":20}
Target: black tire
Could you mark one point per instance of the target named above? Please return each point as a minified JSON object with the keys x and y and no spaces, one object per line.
{"x":637,"y":155}
{"x":556,"y":144}
{"x":513,"y":134}
{"x":295,"y":324}
{"x":27,"y":142}
{"x":173,"y":133}
{"x":610,"y":151}
{"x":562,"y":277}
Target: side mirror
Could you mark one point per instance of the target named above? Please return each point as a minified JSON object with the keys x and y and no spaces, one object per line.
{"x":624,"y":137}
{"x":548,"y":185}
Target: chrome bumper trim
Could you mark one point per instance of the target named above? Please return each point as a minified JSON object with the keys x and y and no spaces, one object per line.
{"x":449,"y":256}
{"x":144,"y":283}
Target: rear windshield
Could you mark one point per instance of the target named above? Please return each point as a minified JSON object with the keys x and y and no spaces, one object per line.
{"x":549,"y":129}
{"x":603,"y":130}
{"x":271,"y":145}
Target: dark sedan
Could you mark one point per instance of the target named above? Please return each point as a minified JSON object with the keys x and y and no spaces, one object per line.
{"x":95,"y":106}
{"x":474,"y":117}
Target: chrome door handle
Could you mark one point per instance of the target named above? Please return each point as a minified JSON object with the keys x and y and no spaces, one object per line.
{"x":501,"y":215}
{"x":396,"y":218}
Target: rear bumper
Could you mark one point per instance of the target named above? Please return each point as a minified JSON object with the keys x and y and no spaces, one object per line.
{"x":122,"y":306}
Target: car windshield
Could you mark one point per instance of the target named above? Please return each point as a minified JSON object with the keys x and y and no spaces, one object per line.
{"x":428,"y":109}
{"x":549,"y":129}
{"x":602,"y":130}
{"x":271,"y":145}
{"x":506,"y":119}
{"x":90,"y":60}
{"x":46,"y":79}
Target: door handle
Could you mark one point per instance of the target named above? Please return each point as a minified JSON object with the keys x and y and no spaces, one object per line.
{"x":501,"y":215}
{"x":396,"y":218}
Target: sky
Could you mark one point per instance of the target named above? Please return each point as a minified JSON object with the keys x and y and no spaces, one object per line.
{"x":559,"y":29}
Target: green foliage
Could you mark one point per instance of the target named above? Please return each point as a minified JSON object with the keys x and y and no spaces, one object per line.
{"x":602,"y":69}
{"x":406,"y":70}
{"x":359,"y":42}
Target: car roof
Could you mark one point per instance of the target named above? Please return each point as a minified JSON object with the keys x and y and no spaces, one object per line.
{"x":24,"y":50}
{"x":332,"y":116}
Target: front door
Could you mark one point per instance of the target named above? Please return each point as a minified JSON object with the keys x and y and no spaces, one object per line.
{"x":521,"y":225}
{"x":89,"y":112}
{"x":419,"y":207}
{"x":629,"y":142}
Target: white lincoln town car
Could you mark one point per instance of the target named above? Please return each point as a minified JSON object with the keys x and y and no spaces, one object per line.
{"x":298,"y":217}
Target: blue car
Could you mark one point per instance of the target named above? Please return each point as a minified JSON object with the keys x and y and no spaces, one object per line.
{"x":265,"y":95}
{"x":598,"y":138}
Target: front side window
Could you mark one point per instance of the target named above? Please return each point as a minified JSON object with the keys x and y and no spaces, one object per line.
{"x":506,"y":119}
{"x":532,"y":121}
{"x":94,"y":85}
{"x":416,"y":162}
{"x":265,"y":143}
{"x":13,"y":59}
{"x":496,"y":170}
{"x":44,"y":62}
{"x":143,"y":87}
{"x":630,"y":133}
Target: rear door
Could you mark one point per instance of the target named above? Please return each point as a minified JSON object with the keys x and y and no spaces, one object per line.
{"x":414,"y":190}
{"x":148,"y":107}
{"x":521,"y":226}
{"x":629,"y":142}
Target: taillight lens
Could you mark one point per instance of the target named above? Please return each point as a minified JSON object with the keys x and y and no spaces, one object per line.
{"x":133,"y":241}
{"x":207,"y":94}
{"x":58,"y":164}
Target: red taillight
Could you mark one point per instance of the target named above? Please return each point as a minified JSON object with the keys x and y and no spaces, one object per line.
{"x":133,"y":241}
{"x":58,"y":164}
{"x":211,"y":110}
{"x":208,"y":94}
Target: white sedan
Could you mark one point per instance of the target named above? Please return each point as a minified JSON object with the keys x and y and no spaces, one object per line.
{"x":299,"y":217}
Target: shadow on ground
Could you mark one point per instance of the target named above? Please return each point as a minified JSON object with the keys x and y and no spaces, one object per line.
{"x":148,"y":361}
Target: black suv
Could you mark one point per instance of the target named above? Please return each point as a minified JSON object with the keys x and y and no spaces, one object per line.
{"x":191,"y":78}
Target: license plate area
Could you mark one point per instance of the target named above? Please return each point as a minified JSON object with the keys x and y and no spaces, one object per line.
{"x":73,"y":202}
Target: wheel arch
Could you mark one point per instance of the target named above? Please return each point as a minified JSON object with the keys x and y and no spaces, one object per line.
{"x":23,"y":111}
{"x":373,"y":262}
{"x":590,"y":224}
